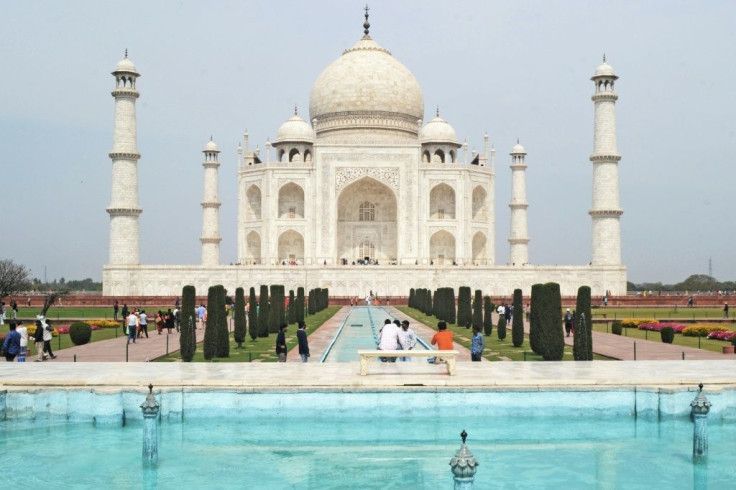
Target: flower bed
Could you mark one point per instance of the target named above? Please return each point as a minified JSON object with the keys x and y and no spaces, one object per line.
{"x":728,"y":336}
{"x":657,"y":327}
{"x":703,"y":329}
{"x":635,"y":322}
{"x":103,"y":324}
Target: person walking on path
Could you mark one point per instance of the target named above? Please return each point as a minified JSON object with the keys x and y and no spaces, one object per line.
{"x":408,"y":338}
{"x":725,"y":310}
{"x":568,"y":322}
{"x":11,"y":345}
{"x":144,"y":324}
{"x":281,"y":343}
{"x":124,"y":312}
{"x":115,"y":308}
{"x":479,"y":343}
{"x":48,"y":335}
{"x":301,"y":336}
{"x":23,"y":331}
{"x":132,"y":323}
{"x":38,"y":340}
{"x":169,"y":322}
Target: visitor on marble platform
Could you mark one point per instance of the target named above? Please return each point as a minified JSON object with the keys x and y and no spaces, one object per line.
{"x":568,"y":322}
{"x":48,"y":335}
{"x":301,"y":336}
{"x":408,"y":338}
{"x":389,"y":339}
{"x":479,"y":343}
{"x":11,"y":345}
{"x":23,"y":331}
{"x":281,"y":343}
{"x":442,"y":339}
{"x":132,"y":322}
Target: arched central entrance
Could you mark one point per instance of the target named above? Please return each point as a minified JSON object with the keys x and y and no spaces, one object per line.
{"x":366,"y":222}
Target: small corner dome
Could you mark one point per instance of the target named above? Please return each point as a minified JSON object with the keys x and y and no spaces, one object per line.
{"x":295,"y":129}
{"x":438,"y":131}
{"x":211,"y":146}
{"x":604,"y":70}
{"x":518,"y":148}
{"x":125,"y":65}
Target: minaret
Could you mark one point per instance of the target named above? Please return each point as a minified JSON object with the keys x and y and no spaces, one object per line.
{"x":210,"y":207}
{"x":605,"y":212}
{"x":123,"y":210}
{"x":519,"y":237}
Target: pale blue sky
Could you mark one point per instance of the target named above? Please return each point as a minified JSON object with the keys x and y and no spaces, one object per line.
{"x":512,"y":68}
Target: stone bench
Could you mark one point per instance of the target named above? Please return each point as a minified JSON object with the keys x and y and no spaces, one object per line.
{"x":446,"y":355}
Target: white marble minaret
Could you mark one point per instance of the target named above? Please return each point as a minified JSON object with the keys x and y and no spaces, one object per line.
{"x":123,"y":209}
{"x":519,"y":237}
{"x":606,"y":211}
{"x":210,"y":207}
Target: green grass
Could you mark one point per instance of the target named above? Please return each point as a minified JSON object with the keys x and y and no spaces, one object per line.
{"x":613,"y":313}
{"x":635,"y":333}
{"x":263,"y":349}
{"x":496,"y":350}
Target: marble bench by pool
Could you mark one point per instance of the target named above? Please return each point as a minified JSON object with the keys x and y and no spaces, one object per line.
{"x":442,"y":355}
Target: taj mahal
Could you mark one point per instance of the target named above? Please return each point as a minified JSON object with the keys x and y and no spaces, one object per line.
{"x":363,"y":195}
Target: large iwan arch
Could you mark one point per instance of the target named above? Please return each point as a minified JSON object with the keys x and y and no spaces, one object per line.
{"x":366,"y":211}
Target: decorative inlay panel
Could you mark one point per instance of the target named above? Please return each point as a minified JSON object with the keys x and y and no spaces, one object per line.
{"x":345,"y":176}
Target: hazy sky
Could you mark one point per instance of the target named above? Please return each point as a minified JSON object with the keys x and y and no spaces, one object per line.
{"x":512,"y":68}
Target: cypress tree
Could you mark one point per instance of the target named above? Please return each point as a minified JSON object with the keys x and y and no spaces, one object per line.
{"x":534,"y":313}
{"x":478,"y":309}
{"x":464,"y":311}
{"x":252,"y":315}
{"x":239,"y":317}
{"x":410,"y":303}
{"x":326,"y":301}
{"x":501,"y":329}
{"x":487,"y":318}
{"x":210,"y":329}
{"x":517,"y":320}
{"x":582,"y":347}
{"x":263,"y":312}
{"x":553,"y":338}
{"x":310,"y":302}
{"x":223,"y":333}
{"x":276,"y":310}
{"x":187,"y":342}
{"x":292,"y":307}
{"x":451,"y":310}
{"x":299,"y":304}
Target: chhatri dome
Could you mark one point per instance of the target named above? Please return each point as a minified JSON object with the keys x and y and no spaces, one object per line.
{"x":125,"y":65}
{"x":295,"y":129}
{"x":604,"y":70}
{"x":368,"y":89}
{"x":438,"y":131}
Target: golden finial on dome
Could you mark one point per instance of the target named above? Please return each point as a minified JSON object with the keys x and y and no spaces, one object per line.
{"x":366,"y":24}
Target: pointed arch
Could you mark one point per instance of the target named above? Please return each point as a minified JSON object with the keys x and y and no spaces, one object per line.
{"x":294,"y":155}
{"x":291,"y":201}
{"x":253,"y":203}
{"x":480,"y":204}
{"x":442,"y":202}
{"x":253,"y":248}
{"x":442,"y":248}
{"x":480,"y":256}
{"x":291,"y":247}
{"x":438,"y":157}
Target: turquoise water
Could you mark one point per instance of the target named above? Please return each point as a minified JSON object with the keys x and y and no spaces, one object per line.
{"x":359,"y":331}
{"x":399,"y":452}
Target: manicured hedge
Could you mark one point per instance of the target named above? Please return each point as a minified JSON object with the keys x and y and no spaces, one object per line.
{"x":239,"y":319}
{"x":188,"y":336}
{"x":582,"y":349}
{"x":517,"y":320}
{"x":80,"y":333}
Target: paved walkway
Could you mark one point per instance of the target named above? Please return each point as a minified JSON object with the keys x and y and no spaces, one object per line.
{"x":114,"y":350}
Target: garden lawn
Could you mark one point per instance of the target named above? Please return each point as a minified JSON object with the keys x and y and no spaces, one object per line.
{"x":62,"y":341}
{"x":77,"y":312}
{"x":496,"y":350}
{"x":705,"y":343}
{"x":263,"y":349}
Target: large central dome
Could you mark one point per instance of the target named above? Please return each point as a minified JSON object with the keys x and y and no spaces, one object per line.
{"x":366,"y":89}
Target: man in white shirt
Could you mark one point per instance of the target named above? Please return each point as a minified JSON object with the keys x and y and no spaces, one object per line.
{"x":23,"y":331}
{"x":389,"y":339}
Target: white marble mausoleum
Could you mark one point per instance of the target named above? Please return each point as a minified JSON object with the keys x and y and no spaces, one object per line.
{"x":363,"y":195}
